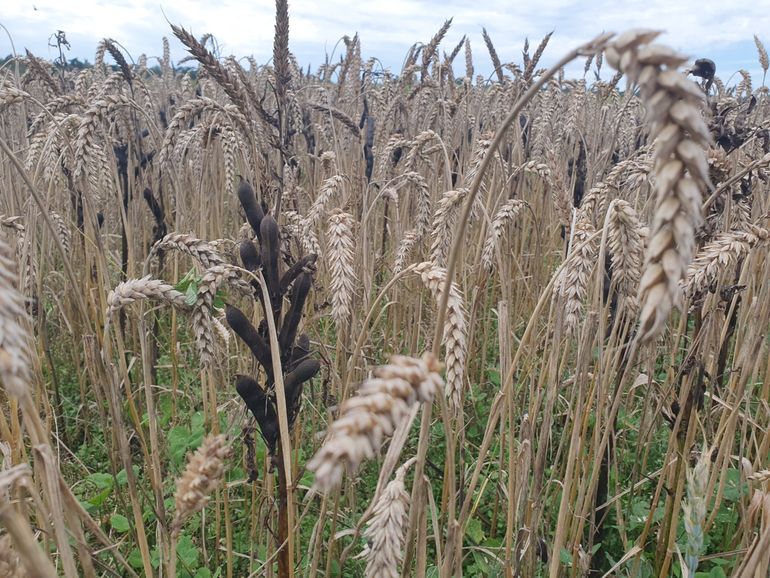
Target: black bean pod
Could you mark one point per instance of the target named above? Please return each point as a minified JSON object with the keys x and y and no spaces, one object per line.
{"x":253,"y":210}
{"x":271,"y":252}
{"x":245,"y":330}
{"x":294,"y":316}
{"x":261,"y":406}
{"x":296,"y":269}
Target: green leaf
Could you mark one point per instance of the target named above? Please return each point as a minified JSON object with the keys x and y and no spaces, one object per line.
{"x":178,"y":442}
{"x":203,"y":573}
{"x":475,"y":532}
{"x":191,"y":294}
{"x":565,"y":556}
{"x":188,"y":552}
{"x":98,"y":499}
{"x":101,"y":481}
{"x":119,"y":523}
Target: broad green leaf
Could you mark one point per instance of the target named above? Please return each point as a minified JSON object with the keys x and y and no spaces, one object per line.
{"x":119,"y":523}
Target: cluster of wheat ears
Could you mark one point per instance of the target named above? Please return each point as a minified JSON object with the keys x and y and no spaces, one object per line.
{"x":513,"y":326}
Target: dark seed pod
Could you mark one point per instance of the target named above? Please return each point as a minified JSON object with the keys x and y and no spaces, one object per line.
{"x":254,"y":212}
{"x":296,"y":269}
{"x":300,"y":351}
{"x":271,"y":251}
{"x":261,"y":407}
{"x":292,"y":385}
{"x":249,"y":256}
{"x":298,"y":296}
{"x":305,"y":371}
{"x":245,"y":330}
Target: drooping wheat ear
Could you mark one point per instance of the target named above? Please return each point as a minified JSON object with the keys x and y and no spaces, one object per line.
{"x":145,"y":288}
{"x":422,"y":220}
{"x":444,"y":222}
{"x":14,"y":338}
{"x":12,"y":223}
{"x":203,"y":474}
{"x":417,"y":147}
{"x":64,"y":231}
{"x":760,"y":477}
{"x":39,"y":70}
{"x":507,"y":213}
{"x":694,"y":510}
{"x":764,"y":62}
{"x":674,"y":106}
{"x":455,"y":331}
{"x":720,"y":254}
{"x":573,"y":285}
{"x":341,"y":116}
{"x":202,"y":320}
{"x":11,"y":95}
{"x":213,"y":67}
{"x":202,"y":251}
{"x":302,"y":230}
{"x":379,"y":406}
{"x":385,"y":529}
{"x":329,"y":189}
{"x":86,"y":146}
{"x":410,"y":240}
{"x":340,"y":257}
{"x":626,"y":250}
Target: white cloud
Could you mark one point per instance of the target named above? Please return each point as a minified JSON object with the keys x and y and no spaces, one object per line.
{"x":387,"y":28}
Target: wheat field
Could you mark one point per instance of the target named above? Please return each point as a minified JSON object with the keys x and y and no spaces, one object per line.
{"x":257,"y":320}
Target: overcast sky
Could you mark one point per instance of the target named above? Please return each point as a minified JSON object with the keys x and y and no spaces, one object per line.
{"x":720,"y":30}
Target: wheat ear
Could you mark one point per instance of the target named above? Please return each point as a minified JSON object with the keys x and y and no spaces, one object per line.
{"x":14,"y":357}
{"x":507,"y":213}
{"x":674,"y":106}
{"x":340,"y":257}
{"x":455,"y":331}
{"x":145,"y":288}
{"x":385,"y":529}
{"x":380,"y":405}
{"x":721,"y":253}
{"x":204,"y":471}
